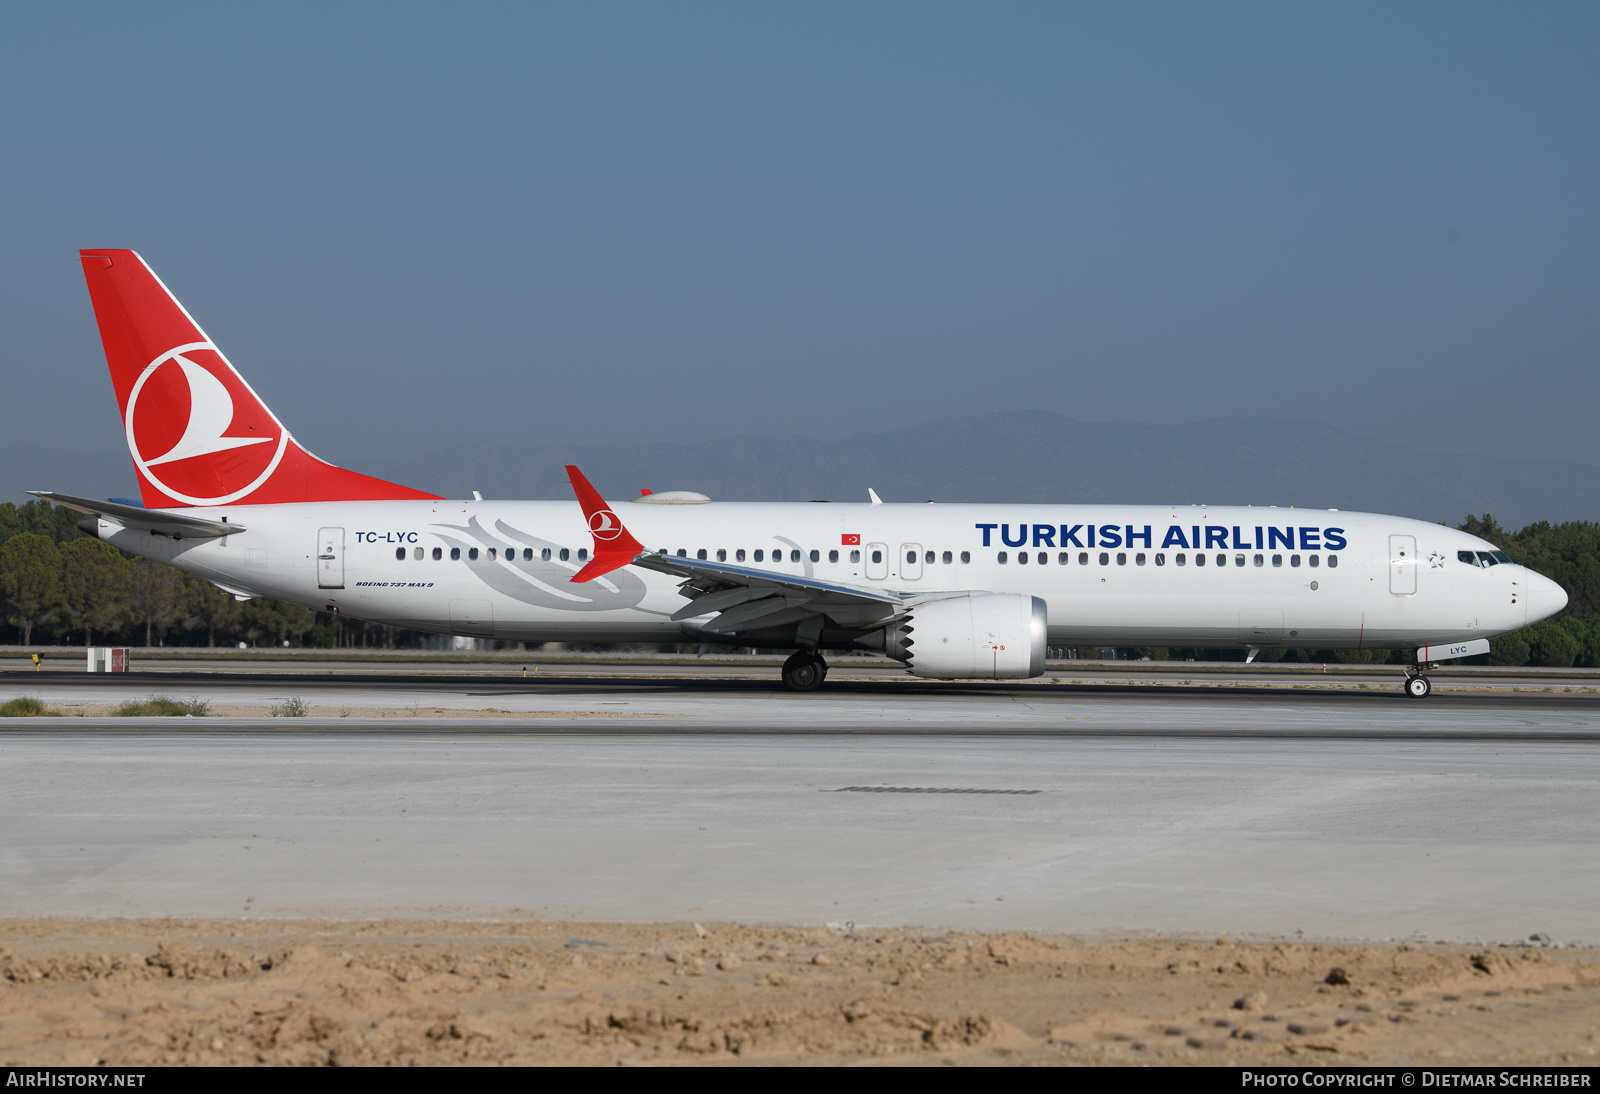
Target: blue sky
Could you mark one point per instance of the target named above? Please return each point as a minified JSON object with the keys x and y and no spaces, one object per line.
{"x":415,"y":226}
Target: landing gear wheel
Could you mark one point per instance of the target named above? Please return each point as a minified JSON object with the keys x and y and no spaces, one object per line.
{"x":1418,"y":687}
{"x":805,"y":671}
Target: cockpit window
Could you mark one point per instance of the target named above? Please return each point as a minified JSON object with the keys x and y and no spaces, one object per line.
{"x":1502,"y":556}
{"x":1468,"y":557}
{"x":1486,"y":558}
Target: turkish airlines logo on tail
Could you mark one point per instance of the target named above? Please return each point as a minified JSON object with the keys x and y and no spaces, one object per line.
{"x":197,"y":432}
{"x":604,"y":525}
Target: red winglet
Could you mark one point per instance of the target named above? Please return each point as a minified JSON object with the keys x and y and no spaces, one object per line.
{"x":613,"y":545}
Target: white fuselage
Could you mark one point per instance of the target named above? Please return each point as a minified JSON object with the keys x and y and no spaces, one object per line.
{"x":1270,"y":577}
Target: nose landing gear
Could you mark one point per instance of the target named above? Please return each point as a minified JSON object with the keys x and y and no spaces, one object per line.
{"x":804,"y":671}
{"x":1417,"y":686}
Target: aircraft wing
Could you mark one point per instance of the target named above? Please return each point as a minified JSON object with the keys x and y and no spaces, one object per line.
{"x":165,"y":522}
{"x":748,"y":599}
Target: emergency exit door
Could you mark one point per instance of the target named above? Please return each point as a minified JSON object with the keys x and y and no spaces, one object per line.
{"x":1403,"y":565}
{"x":330,"y":558}
{"x":911,"y":561}
{"x":877,"y":561}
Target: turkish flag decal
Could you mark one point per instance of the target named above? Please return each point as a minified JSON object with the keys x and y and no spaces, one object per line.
{"x":849,"y":540}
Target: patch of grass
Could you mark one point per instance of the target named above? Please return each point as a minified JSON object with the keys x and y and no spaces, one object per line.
{"x":292,"y":707}
{"x":159,"y":706}
{"x":26,"y":706}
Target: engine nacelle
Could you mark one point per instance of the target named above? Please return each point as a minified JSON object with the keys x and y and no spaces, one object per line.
{"x":990,"y":636}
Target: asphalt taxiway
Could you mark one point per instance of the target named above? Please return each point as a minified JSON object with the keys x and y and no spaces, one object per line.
{"x":1069,"y":807}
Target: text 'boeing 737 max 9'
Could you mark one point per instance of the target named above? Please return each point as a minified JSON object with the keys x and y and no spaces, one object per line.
{"x":953,"y":591}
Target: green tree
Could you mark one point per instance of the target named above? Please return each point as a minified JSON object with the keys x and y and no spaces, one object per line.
{"x":1510,"y":649}
{"x":1551,"y":645}
{"x":155,"y":596}
{"x":94,"y":585}
{"x":208,"y":608}
{"x":30,"y":581}
{"x":54,"y":522}
{"x":275,"y":620}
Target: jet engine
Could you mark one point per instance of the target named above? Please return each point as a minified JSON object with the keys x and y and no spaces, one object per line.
{"x":992,"y":636}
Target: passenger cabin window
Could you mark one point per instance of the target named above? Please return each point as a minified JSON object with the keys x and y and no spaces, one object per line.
{"x":738,"y":556}
{"x":527,"y":554}
{"x":1315,"y":560}
{"x":491,"y":554}
{"x":722,"y":555}
{"x":930,"y":557}
{"x":966,"y":556}
{"x":1122,"y":558}
{"x":1063,"y":558}
{"x":877,"y":556}
{"x":794,"y":556}
{"x":1238,"y":560}
{"x":1333,"y":560}
{"x":565,"y":554}
{"x":1161,"y":559}
{"x":760,"y":555}
{"x":1022,"y":558}
{"x":472,"y":554}
{"x":833,"y":556}
{"x":544,"y":554}
{"x":1260,"y":560}
{"x":1294,"y":560}
{"x":1105,"y":559}
{"x":455,"y":553}
{"x":1277,"y":560}
{"x":682,"y":553}
{"x":1181,"y":560}
{"x":1222,"y":560}
{"x":1199,"y":560}
{"x":583,"y":553}
{"x":1000,"y":558}
{"x":816,"y":556}
{"x":1138,"y":559}
{"x":437,"y":554}
{"x":400,"y":554}
{"x":1083,"y":558}
{"x":855,"y":556}
{"x":701,"y":554}
{"x":416,"y":554}
{"x":948,"y":558}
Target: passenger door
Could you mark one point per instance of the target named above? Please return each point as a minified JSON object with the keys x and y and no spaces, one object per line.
{"x":1403,"y":565}
{"x":877,"y":561}
{"x":330,"y":558}
{"x":911,"y":561}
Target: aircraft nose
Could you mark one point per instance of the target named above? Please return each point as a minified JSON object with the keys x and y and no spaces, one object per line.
{"x":1545,"y":597}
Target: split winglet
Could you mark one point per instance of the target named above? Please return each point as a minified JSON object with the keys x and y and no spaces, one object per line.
{"x":614,"y":547}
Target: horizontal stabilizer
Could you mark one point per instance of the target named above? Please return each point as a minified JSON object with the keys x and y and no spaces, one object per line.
{"x":165,"y":522}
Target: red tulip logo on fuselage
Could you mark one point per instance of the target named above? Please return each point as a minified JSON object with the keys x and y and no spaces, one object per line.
{"x":196,"y":432}
{"x":605,"y":525}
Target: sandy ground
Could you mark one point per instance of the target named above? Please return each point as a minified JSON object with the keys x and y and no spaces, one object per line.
{"x":127,"y":992}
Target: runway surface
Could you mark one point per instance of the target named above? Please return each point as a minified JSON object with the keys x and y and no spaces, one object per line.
{"x":1077,"y":808}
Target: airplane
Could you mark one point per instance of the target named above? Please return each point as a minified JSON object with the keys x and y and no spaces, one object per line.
{"x":958,"y":591}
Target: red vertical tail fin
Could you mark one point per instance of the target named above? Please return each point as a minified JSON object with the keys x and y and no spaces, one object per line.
{"x":197,"y":432}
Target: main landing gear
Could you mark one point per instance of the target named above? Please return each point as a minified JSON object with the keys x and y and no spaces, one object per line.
{"x":1417,"y":685}
{"x":804,"y":671}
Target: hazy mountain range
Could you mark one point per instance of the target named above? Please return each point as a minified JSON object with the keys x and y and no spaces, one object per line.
{"x":1024,"y":456}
